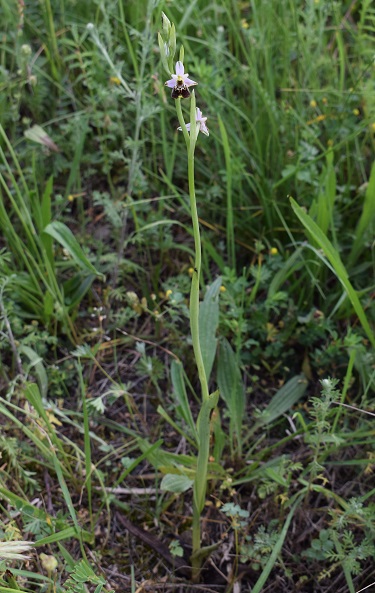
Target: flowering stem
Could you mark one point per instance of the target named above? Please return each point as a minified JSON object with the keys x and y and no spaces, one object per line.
{"x":208,"y":401}
{"x":194,"y":293}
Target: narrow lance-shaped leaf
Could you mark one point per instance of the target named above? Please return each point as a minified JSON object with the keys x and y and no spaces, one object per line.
{"x":63,"y":235}
{"x":208,"y":324}
{"x":337,"y":265}
{"x":231,"y":386}
{"x":366,"y":220}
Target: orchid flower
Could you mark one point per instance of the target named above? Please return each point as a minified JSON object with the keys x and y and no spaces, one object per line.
{"x":201,"y":123}
{"x":180,"y":82}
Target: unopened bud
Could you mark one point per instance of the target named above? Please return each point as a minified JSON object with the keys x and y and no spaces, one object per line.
{"x":166,"y":24}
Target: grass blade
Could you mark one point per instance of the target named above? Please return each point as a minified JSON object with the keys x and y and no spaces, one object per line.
{"x":276,"y":551}
{"x":366,"y":220}
{"x":63,"y":235}
{"x":337,"y":265}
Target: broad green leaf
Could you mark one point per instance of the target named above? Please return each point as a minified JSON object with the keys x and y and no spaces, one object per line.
{"x":63,"y":235}
{"x":208,"y":324}
{"x":176,"y":483}
{"x":337,"y":265}
{"x":231,"y":386}
{"x":284,"y":399}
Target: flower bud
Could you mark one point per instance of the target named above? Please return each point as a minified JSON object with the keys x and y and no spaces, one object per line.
{"x":172,"y":42}
{"x":163,"y":53}
{"x":166,"y":24}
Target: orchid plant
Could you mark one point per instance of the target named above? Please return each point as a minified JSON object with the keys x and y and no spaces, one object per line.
{"x":180,"y":84}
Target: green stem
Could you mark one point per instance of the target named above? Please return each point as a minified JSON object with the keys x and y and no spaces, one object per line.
{"x":208,"y":401}
{"x":194,"y":293}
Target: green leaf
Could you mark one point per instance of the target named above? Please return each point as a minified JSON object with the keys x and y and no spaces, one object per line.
{"x":37,"y":363}
{"x":366,"y":220}
{"x":283,"y":400}
{"x":176,"y":483}
{"x":293,"y":263}
{"x":179,"y":390}
{"x":48,"y":305}
{"x":258,"y":587}
{"x":231,"y":386}
{"x":46,"y":202}
{"x":204,"y":433}
{"x":337,"y":265}
{"x":67,"y":533}
{"x":208,"y":324}
{"x":276,"y":477}
{"x":76,"y":287}
{"x":63,"y":235}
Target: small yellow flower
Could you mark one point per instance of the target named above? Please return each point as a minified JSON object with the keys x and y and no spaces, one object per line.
{"x":329,"y":142}
{"x":356,"y":111}
{"x":222,"y":288}
{"x":325,"y":100}
{"x":168,"y":293}
{"x":70,"y":198}
{"x":115,"y":80}
{"x":373,"y":127}
{"x":244,"y":24}
{"x":320,"y":117}
{"x":313,"y":103}
{"x":191,"y":271}
{"x":274,"y":251}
